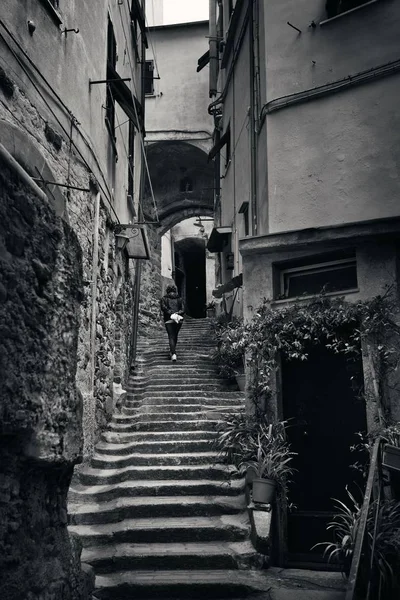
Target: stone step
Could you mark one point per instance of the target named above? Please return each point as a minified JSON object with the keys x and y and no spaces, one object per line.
{"x":119,"y":438}
{"x":165,"y":416}
{"x":154,"y":447}
{"x":233,"y":399}
{"x":146,"y":531}
{"x":101,"y":461}
{"x":166,"y":379}
{"x":151,"y":507}
{"x":193,"y":555}
{"x":166,"y":395}
{"x":180,"y":584}
{"x":92,"y":476}
{"x":131,"y":425}
{"x":164,"y":487}
{"x":178,"y":386}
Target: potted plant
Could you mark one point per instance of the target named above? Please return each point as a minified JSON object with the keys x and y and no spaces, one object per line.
{"x":271,"y":467}
{"x":210,"y":309}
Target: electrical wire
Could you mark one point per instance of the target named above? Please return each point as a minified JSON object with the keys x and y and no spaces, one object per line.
{"x":119,"y":125}
{"x":149,"y":37}
{"x":136,"y":114}
{"x":106,"y":193}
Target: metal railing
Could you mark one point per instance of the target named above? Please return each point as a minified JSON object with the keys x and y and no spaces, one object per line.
{"x":364,"y":579}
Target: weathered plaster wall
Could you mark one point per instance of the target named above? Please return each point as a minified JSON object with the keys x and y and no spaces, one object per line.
{"x":334,"y":159}
{"x":68,"y":62}
{"x":41,"y":287}
{"x":327,"y":171}
{"x":179,"y":104}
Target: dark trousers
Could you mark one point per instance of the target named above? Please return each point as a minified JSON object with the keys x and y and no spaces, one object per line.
{"x":172,"y":330}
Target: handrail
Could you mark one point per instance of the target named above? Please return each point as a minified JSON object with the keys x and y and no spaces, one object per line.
{"x":362,"y":550}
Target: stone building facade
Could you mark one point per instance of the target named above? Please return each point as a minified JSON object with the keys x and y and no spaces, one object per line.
{"x":71,"y":127}
{"x":307,"y":144}
{"x":65,"y":129}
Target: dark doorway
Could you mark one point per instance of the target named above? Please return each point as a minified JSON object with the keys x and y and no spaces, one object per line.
{"x":322,"y":399}
{"x":192,"y":257}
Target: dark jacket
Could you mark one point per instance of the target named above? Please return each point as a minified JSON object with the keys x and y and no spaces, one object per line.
{"x":171,"y":303}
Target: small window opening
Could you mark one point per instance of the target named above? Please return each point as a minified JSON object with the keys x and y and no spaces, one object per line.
{"x":186,"y":184}
{"x":244,"y":210}
{"x":336,"y":7}
{"x":149,"y":78}
{"x":329,"y":273}
{"x":111,"y":64}
{"x":131,"y":159}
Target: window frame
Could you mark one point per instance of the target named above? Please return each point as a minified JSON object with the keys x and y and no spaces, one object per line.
{"x":347,"y":12}
{"x":111,"y":63}
{"x":53,"y":10}
{"x":311,"y":268}
{"x":145,"y":78}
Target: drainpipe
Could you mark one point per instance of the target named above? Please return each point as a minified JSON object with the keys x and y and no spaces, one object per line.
{"x":213,"y":45}
{"x":138,"y":273}
{"x":253,"y":139}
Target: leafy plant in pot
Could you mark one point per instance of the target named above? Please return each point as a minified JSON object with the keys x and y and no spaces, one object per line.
{"x":271,"y":467}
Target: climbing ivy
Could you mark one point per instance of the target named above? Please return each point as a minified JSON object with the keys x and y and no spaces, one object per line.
{"x":290,"y":331}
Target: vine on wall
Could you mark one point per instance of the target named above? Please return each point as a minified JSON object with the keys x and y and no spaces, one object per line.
{"x":342,"y":327}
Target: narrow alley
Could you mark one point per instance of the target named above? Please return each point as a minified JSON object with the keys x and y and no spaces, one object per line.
{"x":158,"y":515}
{"x":199,"y":300}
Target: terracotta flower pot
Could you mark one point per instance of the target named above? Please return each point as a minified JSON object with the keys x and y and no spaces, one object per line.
{"x":391,"y":457}
{"x":263,"y":490}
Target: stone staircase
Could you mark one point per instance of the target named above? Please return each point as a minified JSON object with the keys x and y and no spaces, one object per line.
{"x":158,"y":516}
{"x":156,"y":513}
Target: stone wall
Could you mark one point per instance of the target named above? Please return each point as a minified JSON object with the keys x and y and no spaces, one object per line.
{"x":41,"y":288}
{"x":150,"y":285}
{"x":38,"y":144}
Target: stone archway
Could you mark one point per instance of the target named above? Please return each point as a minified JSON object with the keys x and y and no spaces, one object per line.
{"x":183,"y":184}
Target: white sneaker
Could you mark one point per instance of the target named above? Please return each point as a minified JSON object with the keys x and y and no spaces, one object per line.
{"x":173,"y":357}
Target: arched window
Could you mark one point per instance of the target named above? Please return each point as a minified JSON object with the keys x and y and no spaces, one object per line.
{"x":186,"y":184}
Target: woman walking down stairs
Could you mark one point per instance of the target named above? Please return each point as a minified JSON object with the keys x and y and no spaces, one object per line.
{"x":155,"y":511}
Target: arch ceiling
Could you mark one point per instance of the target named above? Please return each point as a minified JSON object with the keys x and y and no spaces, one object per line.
{"x":182,"y":180}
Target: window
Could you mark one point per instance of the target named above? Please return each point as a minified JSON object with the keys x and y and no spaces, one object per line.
{"x":224,"y":140}
{"x":52,"y":7}
{"x":149,"y":78}
{"x":244,"y":210}
{"x":186,"y":184}
{"x":329,"y":273}
{"x":336,"y":7}
{"x":131,"y":159}
{"x":111,"y":64}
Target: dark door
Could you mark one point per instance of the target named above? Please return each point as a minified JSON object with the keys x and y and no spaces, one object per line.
{"x":322,"y":400}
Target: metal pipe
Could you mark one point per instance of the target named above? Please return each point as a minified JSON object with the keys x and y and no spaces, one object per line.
{"x":23,"y":175}
{"x":136,"y":300}
{"x":70,"y":187}
{"x":213,"y":48}
{"x":253,"y":139}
